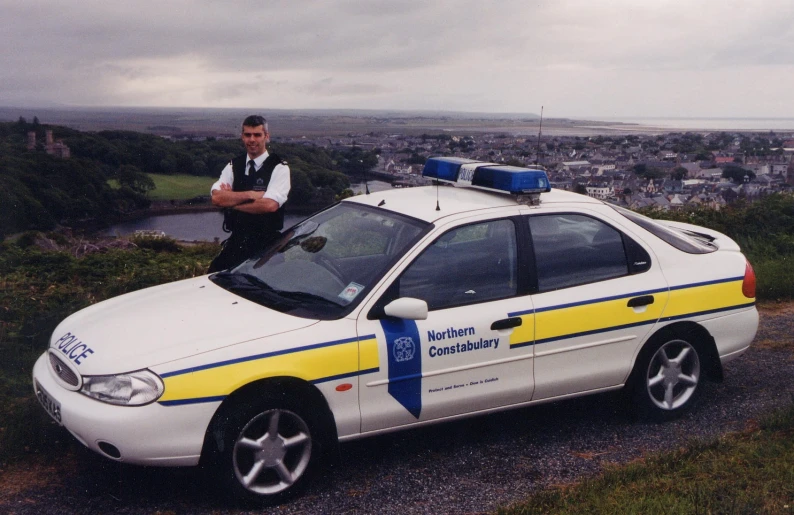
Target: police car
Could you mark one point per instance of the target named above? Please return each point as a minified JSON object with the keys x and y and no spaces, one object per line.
{"x":397,"y":309}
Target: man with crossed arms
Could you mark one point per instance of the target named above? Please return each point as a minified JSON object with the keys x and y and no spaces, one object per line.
{"x":252,"y":190}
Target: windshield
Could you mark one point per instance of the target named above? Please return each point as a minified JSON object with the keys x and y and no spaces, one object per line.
{"x":323,"y":266}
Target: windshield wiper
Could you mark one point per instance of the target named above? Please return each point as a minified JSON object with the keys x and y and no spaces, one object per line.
{"x":303,"y":296}
{"x":253,"y":288}
{"x":242,"y":282}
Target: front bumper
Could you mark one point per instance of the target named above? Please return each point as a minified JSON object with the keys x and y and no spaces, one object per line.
{"x":145,"y":435}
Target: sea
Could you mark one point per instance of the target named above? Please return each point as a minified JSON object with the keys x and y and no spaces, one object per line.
{"x":713,"y":124}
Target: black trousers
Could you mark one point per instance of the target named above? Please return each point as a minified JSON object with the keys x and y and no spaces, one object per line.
{"x":239,"y":247}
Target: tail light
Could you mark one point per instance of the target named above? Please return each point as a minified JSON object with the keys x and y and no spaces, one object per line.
{"x":748,"y":285}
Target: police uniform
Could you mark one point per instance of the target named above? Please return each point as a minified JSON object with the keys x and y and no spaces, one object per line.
{"x":250,"y":233}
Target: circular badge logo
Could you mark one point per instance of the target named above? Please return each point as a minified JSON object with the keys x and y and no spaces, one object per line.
{"x":404,"y":349}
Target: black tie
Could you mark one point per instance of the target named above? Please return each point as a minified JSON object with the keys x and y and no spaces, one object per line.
{"x":251,"y":167}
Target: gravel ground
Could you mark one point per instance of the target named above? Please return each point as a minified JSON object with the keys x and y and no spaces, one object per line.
{"x":470,"y":466}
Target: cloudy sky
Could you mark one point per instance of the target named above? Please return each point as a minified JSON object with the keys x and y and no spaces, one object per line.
{"x":578,"y":58}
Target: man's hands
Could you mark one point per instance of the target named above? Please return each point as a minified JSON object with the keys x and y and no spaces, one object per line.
{"x":225,"y":197}
{"x":246,"y":201}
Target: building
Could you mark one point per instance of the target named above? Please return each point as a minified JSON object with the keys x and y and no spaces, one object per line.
{"x":55,"y":148}
{"x":600,"y":191}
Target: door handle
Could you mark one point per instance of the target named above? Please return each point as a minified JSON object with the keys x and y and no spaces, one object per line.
{"x":640,"y":301}
{"x":506,"y":323}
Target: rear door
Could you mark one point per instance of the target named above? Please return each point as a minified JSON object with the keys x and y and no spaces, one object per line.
{"x":599,"y":293}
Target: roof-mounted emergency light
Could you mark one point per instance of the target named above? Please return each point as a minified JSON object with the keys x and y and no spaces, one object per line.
{"x":487,"y":176}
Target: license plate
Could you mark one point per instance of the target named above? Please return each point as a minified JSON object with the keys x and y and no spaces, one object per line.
{"x":50,"y":405}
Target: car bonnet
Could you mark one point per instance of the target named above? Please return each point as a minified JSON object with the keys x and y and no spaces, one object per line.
{"x":162,"y":324}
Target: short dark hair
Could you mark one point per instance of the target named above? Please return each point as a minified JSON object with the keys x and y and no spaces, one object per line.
{"x":255,"y":121}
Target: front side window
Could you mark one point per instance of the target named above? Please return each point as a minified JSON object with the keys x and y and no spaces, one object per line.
{"x":572,"y":249}
{"x":469,"y":264}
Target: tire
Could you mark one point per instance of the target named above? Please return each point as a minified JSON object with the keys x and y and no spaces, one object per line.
{"x":668,"y":376}
{"x":270,"y":449}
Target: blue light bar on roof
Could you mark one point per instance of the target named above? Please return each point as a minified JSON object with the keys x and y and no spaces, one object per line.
{"x":511,"y":178}
{"x":445,"y":168}
{"x":487,"y":176}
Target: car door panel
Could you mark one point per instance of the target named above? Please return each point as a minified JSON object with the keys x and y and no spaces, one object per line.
{"x":466,"y":356}
{"x":586,"y":332}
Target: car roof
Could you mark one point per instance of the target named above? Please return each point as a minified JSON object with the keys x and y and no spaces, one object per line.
{"x":421,"y":202}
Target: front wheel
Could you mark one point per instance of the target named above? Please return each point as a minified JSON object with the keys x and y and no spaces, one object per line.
{"x":668,"y":378}
{"x":268,"y":453}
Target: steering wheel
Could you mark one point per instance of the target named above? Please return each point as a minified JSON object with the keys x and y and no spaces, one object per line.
{"x":329,"y":265}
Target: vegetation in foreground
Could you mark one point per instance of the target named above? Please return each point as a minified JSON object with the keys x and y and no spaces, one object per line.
{"x":750,"y":472}
{"x":38,"y":289}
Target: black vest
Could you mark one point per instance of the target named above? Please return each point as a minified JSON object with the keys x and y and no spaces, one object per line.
{"x":246,"y":223}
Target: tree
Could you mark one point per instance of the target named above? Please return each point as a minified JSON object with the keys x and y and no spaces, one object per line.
{"x":648,"y":172}
{"x":737,"y":174}
{"x":133,"y":178}
{"x":346,"y":193}
{"x":678,"y":173}
{"x":581,"y":189}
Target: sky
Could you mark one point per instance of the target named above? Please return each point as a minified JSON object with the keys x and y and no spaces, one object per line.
{"x":577,"y":58}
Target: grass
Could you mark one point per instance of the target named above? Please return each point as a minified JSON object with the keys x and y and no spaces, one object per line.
{"x":176,"y":187}
{"x":774,"y":277}
{"x":750,"y":472}
{"x":180,"y":187}
{"x":39,"y":289}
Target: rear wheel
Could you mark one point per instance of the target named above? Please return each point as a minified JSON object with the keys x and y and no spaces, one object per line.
{"x":270,"y":449}
{"x":668,"y":377}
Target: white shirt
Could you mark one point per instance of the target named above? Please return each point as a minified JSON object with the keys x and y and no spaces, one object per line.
{"x":278,"y":187}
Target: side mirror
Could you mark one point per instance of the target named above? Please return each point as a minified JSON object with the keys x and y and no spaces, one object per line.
{"x":407,"y":308}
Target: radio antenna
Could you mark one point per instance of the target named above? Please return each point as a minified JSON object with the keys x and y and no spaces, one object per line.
{"x":366,"y":177}
{"x":540,"y":130}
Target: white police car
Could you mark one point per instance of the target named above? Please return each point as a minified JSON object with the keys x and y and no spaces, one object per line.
{"x":398,"y":309}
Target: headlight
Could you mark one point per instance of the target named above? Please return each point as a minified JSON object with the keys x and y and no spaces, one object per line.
{"x":130,"y":389}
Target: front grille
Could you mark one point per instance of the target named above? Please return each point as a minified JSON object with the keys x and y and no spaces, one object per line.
{"x":63,"y":371}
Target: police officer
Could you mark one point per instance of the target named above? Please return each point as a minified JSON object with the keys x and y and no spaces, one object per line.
{"x":252,"y":190}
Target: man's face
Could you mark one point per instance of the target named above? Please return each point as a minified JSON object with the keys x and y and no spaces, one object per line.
{"x":254,"y":139}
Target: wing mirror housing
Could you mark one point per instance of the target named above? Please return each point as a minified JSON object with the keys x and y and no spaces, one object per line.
{"x":407,"y":308}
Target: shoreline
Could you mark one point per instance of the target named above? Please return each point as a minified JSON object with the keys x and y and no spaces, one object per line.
{"x":165,"y":208}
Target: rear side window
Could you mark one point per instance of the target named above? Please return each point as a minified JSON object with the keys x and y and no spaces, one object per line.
{"x":677,"y":239}
{"x":573,"y":249}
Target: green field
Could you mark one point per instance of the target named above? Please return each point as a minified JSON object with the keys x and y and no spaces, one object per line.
{"x":176,"y":187}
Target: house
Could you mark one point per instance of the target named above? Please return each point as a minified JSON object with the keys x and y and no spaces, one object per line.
{"x":709,"y":173}
{"x":676,"y":202}
{"x":572,"y":165}
{"x":600,"y":191}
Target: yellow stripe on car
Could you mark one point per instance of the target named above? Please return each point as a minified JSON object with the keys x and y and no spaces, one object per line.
{"x":314,"y":363}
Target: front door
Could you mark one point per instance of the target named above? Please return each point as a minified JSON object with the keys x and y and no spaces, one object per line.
{"x":469,"y":354}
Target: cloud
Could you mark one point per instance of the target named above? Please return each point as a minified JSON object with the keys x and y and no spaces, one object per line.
{"x":510,"y":55}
